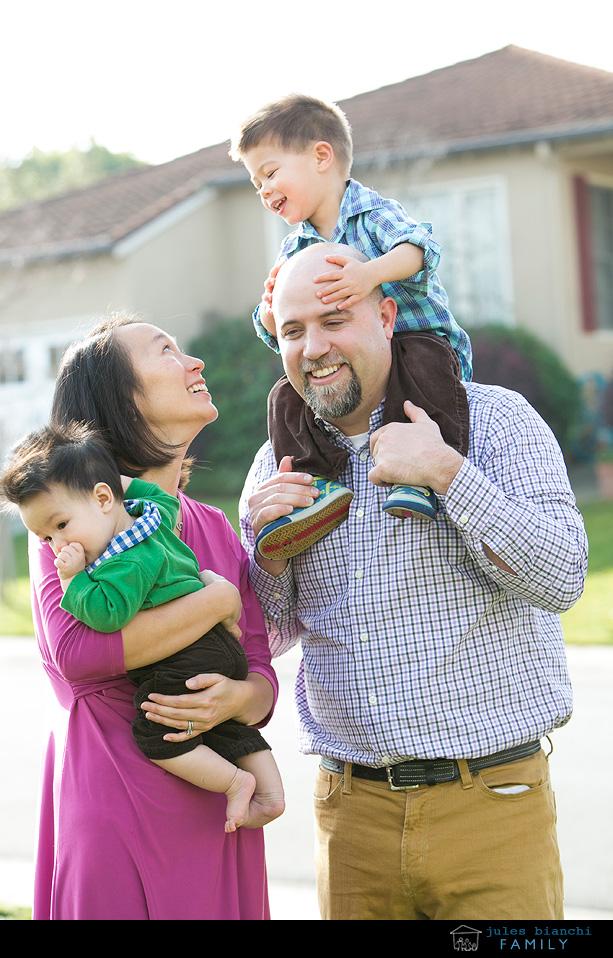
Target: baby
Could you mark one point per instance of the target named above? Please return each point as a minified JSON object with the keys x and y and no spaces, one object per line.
{"x":115,"y":557}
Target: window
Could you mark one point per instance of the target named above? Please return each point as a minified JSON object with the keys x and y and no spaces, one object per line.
{"x":594,"y":211}
{"x":12,"y":366}
{"x":469,"y":219}
{"x":55,"y":358}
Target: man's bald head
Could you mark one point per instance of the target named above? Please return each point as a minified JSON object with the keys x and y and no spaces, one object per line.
{"x":299,"y":271}
{"x":338,"y":360}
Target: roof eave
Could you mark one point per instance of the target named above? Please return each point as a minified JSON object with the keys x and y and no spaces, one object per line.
{"x":55,"y":252}
{"x":481,"y":144}
{"x":128,"y":236}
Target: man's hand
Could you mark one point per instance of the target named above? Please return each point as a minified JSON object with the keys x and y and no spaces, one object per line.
{"x":69,"y":561}
{"x":352,"y":282}
{"x":413,"y":454}
{"x":277,"y":497}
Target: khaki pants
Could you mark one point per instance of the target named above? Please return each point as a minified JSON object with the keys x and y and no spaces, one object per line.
{"x":458,"y":851}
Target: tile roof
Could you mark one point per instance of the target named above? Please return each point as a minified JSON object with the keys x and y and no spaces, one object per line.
{"x":94,"y":218}
{"x":503,"y":97}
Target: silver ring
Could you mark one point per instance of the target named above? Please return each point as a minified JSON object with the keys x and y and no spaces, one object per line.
{"x":190,"y":728}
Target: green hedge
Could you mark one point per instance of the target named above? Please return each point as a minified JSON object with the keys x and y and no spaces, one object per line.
{"x":240,"y":371}
{"x":518,"y":360}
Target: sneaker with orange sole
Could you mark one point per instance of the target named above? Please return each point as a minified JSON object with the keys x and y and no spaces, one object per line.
{"x":291,"y":535}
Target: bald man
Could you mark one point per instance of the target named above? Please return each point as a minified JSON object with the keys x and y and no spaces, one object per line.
{"x":433,"y":656}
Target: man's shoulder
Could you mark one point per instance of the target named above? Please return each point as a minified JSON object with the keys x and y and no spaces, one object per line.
{"x":264,"y":464}
{"x":496,"y":409}
{"x":489,"y":395}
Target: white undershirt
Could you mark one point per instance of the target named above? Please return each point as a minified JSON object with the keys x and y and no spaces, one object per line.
{"x":359,"y":440}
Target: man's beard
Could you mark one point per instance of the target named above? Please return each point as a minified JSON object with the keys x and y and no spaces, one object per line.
{"x":334,"y":401}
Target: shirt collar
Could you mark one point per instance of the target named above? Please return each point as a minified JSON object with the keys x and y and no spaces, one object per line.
{"x":148,"y":521}
{"x":356,"y":199}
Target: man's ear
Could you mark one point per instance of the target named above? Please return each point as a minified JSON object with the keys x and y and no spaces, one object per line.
{"x":387,"y":311}
{"x":324,"y":155}
{"x":103,"y":495}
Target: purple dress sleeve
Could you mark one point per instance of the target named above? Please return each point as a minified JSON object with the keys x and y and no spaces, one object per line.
{"x":119,"y":838}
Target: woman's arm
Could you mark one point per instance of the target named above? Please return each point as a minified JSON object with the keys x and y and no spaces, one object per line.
{"x":153,"y":634}
{"x":219,"y":698}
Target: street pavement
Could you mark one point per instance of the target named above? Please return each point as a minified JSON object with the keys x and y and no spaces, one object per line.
{"x":581,"y":769}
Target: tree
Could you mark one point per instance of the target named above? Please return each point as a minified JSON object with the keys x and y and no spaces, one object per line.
{"x":240,"y":372}
{"x":42,"y":175}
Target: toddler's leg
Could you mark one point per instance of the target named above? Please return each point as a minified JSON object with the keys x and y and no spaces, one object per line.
{"x":206,"y":769}
{"x":426,"y":370}
{"x":268,"y":800}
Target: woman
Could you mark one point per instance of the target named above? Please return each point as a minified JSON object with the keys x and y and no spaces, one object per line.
{"x":120,"y":839}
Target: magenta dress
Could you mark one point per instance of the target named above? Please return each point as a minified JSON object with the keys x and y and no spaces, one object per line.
{"x":120,"y":839}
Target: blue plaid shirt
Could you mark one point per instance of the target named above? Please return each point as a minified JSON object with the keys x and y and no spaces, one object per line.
{"x":375,"y":225}
{"x":145,"y":525}
{"x":414,"y":643}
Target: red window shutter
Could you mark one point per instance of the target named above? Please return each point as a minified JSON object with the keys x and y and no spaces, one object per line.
{"x":589,"y":316}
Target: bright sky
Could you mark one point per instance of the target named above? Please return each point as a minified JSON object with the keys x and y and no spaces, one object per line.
{"x":161,"y":78}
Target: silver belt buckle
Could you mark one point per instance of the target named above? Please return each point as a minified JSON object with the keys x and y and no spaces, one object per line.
{"x":390,"y":780}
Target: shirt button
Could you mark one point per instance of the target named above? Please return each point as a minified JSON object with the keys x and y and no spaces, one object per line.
{"x":277,"y":596}
{"x":464,"y":518}
{"x":372,"y":699}
{"x":358,"y":573}
{"x":364,"y":456}
{"x":359,"y":513}
{"x":363,"y":636}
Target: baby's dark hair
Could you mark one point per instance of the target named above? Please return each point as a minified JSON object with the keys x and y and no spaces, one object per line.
{"x":295,"y":122}
{"x":74,"y":456}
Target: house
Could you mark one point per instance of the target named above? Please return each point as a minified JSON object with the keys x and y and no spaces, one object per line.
{"x":510,"y":156}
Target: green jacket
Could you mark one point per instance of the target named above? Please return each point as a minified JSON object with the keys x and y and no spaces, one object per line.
{"x":150,"y":573}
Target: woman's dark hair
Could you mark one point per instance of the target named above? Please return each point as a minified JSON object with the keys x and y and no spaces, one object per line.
{"x":97,"y":383}
{"x":75,"y":457}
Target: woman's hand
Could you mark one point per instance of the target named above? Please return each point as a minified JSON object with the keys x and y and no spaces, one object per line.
{"x":216,"y":699}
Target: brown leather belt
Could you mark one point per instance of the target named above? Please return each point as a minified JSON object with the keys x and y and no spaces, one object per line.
{"x":416,"y":772}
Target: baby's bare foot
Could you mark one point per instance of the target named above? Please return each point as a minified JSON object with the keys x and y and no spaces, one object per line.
{"x":239,"y":795}
{"x":264,"y":807}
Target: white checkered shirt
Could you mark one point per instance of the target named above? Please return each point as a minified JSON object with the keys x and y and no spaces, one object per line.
{"x":144,"y":526}
{"x":414,"y":644}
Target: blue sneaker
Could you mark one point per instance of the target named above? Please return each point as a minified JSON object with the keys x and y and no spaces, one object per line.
{"x":290,"y":535}
{"x":411,"y":502}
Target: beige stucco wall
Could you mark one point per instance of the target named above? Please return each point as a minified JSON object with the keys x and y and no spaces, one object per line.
{"x":543,"y":241}
{"x":204,"y":260}
{"x":180,"y":274}
{"x":209,"y":258}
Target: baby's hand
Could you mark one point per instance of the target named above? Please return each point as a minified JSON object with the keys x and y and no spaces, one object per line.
{"x":347,"y":285}
{"x":231,"y":601}
{"x":70,"y":560}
